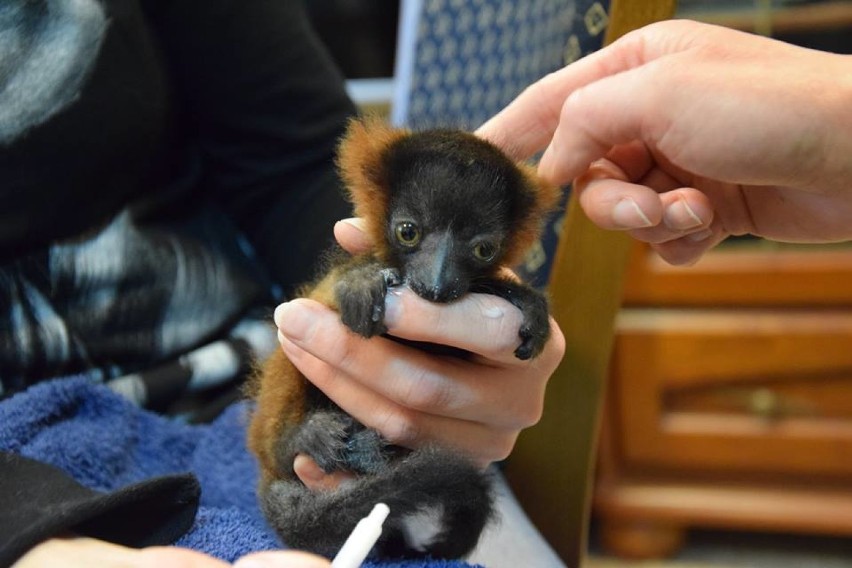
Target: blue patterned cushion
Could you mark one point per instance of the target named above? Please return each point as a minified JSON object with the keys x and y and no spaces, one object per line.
{"x":459,"y":62}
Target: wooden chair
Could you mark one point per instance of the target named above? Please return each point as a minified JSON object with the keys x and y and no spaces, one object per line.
{"x":552,"y":467}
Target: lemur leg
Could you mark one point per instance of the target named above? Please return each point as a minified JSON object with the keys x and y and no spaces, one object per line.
{"x":535,"y":327}
{"x":336,"y":442}
{"x":280,"y":396}
{"x":282,"y":427}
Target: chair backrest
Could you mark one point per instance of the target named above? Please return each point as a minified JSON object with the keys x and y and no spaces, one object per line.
{"x":458,"y":63}
{"x":461,"y":61}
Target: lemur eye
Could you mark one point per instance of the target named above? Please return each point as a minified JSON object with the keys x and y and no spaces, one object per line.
{"x":407,"y":234}
{"x":485,"y":251}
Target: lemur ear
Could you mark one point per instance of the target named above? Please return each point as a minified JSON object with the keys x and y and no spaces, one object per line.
{"x":360,"y":159}
{"x":542,"y":198}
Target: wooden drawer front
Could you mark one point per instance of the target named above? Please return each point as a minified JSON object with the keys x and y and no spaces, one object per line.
{"x":763,"y":274}
{"x":735,"y":391}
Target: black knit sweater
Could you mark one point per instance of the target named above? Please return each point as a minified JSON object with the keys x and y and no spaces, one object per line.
{"x":228,"y":106}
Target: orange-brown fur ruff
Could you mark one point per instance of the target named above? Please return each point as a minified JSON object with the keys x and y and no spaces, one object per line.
{"x":528,"y":230}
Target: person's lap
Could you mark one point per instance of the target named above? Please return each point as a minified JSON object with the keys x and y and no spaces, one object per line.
{"x":511,"y":540}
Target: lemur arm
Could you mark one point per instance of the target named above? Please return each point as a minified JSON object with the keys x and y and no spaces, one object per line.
{"x":359,"y":292}
{"x":535,"y":327}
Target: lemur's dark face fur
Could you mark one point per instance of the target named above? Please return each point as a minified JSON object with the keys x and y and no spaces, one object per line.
{"x":443,"y":207}
{"x":453,"y":204}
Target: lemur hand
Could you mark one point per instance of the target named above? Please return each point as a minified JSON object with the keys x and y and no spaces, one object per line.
{"x":684,"y":133}
{"x":411,"y":397}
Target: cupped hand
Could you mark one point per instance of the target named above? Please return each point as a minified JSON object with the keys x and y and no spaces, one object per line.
{"x":478,"y":405}
{"x":81,"y":552}
{"x":684,"y":133}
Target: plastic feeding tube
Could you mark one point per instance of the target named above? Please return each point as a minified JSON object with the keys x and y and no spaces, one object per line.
{"x":363,"y":537}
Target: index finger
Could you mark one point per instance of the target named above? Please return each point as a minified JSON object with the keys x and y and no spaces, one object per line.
{"x":527,"y":124}
{"x":482,"y":324}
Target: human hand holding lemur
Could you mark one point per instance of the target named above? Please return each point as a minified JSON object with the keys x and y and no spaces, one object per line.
{"x":683,"y":134}
{"x":478,"y":405}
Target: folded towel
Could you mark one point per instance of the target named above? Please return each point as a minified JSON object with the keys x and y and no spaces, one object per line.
{"x":106,"y":444}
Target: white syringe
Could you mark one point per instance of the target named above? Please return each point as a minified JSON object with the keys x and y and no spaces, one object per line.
{"x":363,"y":537}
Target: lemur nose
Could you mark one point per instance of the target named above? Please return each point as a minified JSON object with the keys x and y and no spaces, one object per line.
{"x":437,"y":294}
{"x":443,"y":293}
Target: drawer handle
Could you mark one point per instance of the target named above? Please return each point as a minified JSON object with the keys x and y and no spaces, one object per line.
{"x":766,"y":404}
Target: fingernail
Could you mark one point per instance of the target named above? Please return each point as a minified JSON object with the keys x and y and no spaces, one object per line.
{"x":700,"y":236}
{"x":293,"y":320}
{"x":680,"y":216}
{"x":604,"y":169}
{"x":393,"y":307}
{"x":254,"y":563}
{"x":545,"y":164}
{"x":278,"y":314}
{"x":308,"y":470}
{"x":356,"y":222}
{"x":628,"y":215}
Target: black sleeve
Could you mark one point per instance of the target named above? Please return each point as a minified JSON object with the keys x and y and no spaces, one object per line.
{"x":267,"y":105}
{"x":39,"y":501}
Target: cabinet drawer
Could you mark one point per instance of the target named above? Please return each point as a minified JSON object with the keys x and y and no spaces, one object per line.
{"x":735,"y":392}
{"x":754,"y":274}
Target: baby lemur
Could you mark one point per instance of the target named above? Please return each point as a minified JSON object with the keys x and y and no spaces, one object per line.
{"x":445,"y":211}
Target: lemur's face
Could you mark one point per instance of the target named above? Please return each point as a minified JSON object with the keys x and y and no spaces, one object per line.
{"x":441,"y":262}
{"x":452,"y":210}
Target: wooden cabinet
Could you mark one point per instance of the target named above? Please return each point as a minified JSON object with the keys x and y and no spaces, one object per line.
{"x":730,"y":399}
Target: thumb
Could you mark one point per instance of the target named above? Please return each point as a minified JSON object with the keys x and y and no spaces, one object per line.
{"x":352,"y":235}
{"x":282,"y":559}
{"x":315,"y":478}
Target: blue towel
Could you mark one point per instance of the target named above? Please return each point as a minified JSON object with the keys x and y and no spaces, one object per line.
{"x":106,"y":443}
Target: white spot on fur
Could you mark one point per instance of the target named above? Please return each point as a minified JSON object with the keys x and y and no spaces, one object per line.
{"x":421,"y":529}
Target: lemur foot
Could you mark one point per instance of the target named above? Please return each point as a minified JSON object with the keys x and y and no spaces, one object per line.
{"x":337,"y":442}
